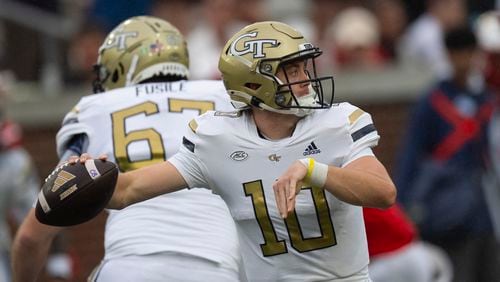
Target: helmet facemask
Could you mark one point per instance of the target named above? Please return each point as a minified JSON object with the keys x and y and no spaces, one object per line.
{"x":101,"y":75}
{"x":297,"y":104}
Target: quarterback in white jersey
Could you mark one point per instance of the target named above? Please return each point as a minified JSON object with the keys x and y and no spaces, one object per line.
{"x":292,"y":169}
{"x":322,"y":231}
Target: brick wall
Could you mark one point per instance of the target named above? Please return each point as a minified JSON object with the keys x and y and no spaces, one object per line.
{"x":85,"y":240}
{"x":390,"y":120}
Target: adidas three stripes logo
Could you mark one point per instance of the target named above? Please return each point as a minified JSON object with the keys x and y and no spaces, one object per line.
{"x":311,"y":149}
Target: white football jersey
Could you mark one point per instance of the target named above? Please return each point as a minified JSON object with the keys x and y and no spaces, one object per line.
{"x":142,"y":125}
{"x":325,"y":238}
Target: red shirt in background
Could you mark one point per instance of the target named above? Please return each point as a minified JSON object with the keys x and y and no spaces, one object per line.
{"x":387,"y":230}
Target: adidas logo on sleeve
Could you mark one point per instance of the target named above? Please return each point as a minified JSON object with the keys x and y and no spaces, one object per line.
{"x":311,"y":150}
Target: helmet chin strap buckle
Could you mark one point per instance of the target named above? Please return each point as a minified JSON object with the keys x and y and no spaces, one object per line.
{"x":280,"y":99}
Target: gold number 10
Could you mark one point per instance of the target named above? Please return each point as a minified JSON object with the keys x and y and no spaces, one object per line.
{"x":272,"y":246}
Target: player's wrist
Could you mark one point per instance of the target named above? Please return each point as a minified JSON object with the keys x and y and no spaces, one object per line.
{"x":316,"y":172}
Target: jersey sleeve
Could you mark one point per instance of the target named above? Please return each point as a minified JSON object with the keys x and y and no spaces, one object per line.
{"x":363,"y":133}
{"x":187,"y":161}
{"x":70,"y":128}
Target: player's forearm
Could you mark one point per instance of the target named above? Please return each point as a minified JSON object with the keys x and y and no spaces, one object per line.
{"x":28,"y":261}
{"x":130,"y":188}
{"x":30,"y":249}
{"x":118,"y":201}
{"x":145,"y":183}
{"x":360,"y":187}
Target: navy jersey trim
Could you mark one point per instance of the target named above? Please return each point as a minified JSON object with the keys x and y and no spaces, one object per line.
{"x":76,"y":143}
{"x":188,"y":144}
{"x":360,"y":133}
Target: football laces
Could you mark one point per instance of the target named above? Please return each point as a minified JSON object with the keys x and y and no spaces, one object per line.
{"x":56,"y":170}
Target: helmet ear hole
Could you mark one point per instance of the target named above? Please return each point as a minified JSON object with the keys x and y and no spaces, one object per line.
{"x":115,"y":76}
{"x":253,"y":86}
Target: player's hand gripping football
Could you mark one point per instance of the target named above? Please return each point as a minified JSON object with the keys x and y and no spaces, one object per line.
{"x":287,"y":186}
{"x":76,"y":191}
{"x":84,"y":157}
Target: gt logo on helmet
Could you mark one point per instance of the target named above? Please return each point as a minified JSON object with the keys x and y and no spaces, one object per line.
{"x":252,"y":46}
{"x":119,"y":41}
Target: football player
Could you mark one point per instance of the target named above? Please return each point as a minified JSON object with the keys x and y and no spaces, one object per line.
{"x":138,"y":121}
{"x":293,"y":169}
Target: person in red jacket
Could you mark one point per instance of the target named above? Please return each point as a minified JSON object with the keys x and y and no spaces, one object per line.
{"x":396,"y":251}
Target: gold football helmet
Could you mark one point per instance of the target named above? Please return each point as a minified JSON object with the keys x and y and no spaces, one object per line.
{"x":251,"y":59}
{"x":141,"y":49}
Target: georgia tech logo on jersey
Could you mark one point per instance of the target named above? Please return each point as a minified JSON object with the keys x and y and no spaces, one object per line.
{"x":239,"y":156}
{"x":62,"y":178}
{"x":274,"y":158}
{"x":252,"y":46}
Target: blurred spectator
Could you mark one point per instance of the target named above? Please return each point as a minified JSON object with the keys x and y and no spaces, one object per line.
{"x":19,"y":185}
{"x":219,"y":20}
{"x":423,"y":41}
{"x":322,"y":13}
{"x":396,"y":251}
{"x":208,"y":37}
{"x":441,"y":165}
{"x":392,"y":20}
{"x":181,"y":13}
{"x":355,"y":36}
{"x":81,"y":54}
{"x":251,"y":11}
{"x":299,"y":13}
{"x":314,"y":23}
{"x":488,"y":32}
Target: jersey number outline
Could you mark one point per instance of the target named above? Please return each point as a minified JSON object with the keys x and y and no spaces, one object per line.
{"x":123,"y":138}
{"x":272,"y":246}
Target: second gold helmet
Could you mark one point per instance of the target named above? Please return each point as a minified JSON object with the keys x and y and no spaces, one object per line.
{"x":139,"y":49}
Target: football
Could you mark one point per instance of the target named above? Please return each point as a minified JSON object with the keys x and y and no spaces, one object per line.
{"x":75,"y":193}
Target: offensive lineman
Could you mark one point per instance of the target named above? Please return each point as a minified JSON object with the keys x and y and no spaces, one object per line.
{"x":184,"y":236}
{"x":286,"y":134}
